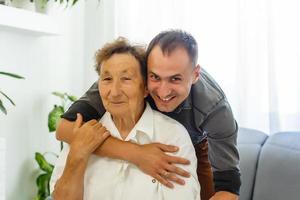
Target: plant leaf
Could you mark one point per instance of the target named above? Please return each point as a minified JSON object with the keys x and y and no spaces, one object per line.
{"x":42,"y":182}
{"x":43,"y":163}
{"x":11,"y":101}
{"x":74,"y":2}
{"x":54,"y":117}
{"x":12,"y":75}
{"x":2,"y":108}
{"x":72,"y":98}
{"x":59,"y":94}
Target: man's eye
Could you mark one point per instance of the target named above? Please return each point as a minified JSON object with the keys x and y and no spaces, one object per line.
{"x":154,"y":77}
{"x":175,"y":79}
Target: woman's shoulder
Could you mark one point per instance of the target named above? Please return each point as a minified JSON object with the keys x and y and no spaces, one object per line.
{"x":168,"y":126}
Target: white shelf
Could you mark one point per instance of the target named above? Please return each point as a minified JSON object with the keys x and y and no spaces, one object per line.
{"x":22,"y":20}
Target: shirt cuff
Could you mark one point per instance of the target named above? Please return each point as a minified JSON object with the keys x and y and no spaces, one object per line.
{"x":229,"y":181}
{"x":87,"y":111}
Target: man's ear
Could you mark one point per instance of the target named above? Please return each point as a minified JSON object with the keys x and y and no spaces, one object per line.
{"x":146,"y":93}
{"x":196,"y":73}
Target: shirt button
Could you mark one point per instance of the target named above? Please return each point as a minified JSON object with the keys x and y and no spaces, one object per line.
{"x":153,"y":181}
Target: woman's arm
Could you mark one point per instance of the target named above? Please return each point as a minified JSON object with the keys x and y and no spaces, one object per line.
{"x":71,"y":184}
{"x":87,"y":138}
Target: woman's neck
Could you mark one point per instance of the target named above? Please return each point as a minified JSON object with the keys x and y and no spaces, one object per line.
{"x":126,"y":122}
{"x":124,"y":125}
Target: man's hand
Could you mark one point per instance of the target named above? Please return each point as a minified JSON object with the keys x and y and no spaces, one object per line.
{"x":87,"y":137}
{"x":223,"y":195}
{"x":153,"y":160}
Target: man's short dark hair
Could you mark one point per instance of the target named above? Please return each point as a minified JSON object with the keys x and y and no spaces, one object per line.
{"x":170,"y":40}
{"x":119,"y":46}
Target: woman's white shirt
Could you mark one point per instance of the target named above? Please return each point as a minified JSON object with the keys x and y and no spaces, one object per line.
{"x":112,"y":179}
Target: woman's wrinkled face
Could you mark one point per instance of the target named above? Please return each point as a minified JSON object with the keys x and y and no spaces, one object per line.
{"x":121,"y":85}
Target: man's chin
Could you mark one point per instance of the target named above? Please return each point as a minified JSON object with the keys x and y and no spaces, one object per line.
{"x":165,"y":108}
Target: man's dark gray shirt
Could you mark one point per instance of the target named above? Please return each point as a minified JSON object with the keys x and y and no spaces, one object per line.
{"x":206,"y":113}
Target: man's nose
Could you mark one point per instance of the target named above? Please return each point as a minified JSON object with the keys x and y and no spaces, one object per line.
{"x":164,"y":90}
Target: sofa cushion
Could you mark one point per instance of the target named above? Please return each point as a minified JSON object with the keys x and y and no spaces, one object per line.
{"x":278,"y":171}
{"x":249,"y":145}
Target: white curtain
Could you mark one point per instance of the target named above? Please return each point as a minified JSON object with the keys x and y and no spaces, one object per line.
{"x":251,"y":47}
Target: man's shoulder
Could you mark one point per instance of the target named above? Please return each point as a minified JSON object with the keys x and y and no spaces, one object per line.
{"x":206,"y":94}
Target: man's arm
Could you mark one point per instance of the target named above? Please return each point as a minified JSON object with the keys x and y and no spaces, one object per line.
{"x":150,"y":158}
{"x":223,"y":154}
{"x":70,"y":185}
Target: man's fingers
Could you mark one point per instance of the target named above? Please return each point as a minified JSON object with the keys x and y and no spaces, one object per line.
{"x":78,"y":121}
{"x":178,"y":171}
{"x":164,"y":181}
{"x":167,"y":148}
{"x":178,"y":160}
{"x":173,"y":177}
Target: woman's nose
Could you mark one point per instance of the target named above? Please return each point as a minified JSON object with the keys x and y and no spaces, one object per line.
{"x":115,"y":89}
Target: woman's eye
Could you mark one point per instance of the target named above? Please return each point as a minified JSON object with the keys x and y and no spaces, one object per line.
{"x":106,"y":79}
{"x":126,"y":78}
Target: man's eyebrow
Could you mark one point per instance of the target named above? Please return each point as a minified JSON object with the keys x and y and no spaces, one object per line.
{"x":172,"y":76}
{"x":152,"y":72}
{"x":176,"y":75}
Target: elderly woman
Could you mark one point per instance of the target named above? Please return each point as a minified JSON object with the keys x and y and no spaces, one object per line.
{"x":122,"y":86}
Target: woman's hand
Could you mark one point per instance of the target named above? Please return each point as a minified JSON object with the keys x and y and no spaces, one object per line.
{"x":87,"y":137}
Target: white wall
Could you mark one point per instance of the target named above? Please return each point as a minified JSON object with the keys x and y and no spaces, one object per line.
{"x":99,"y":29}
{"x":49,"y":63}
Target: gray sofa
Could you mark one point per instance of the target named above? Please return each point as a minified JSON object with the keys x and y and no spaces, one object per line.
{"x":270,"y":166}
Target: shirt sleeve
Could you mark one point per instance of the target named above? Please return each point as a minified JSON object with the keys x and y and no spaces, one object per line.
{"x":59,"y":167}
{"x":221,"y":130}
{"x":89,"y":106}
{"x":191,"y":189}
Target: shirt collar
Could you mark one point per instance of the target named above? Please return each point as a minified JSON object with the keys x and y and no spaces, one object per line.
{"x":186,"y":104}
{"x":143,"y":126}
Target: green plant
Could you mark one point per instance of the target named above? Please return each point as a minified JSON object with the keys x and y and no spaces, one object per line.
{"x":42,"y":181}
{"x":45,"y":166}
{"x":58,"y":110}
{"x":42,"y":3}
{"x":2,"y":107}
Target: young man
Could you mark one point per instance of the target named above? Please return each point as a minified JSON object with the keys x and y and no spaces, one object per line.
{"x":178,"y":89}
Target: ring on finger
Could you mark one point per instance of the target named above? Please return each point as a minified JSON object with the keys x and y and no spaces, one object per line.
{"x":165,"y":174}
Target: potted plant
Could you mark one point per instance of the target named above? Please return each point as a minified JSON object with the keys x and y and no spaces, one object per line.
{"x":24,"y":4}
{"x":46,"y":168}
{"x":2,"y":107}
{"x":41,"y":6}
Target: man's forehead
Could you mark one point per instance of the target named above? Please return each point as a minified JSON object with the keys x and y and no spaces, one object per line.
{"x":164,"y":74}
{"x":169,"y":50}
